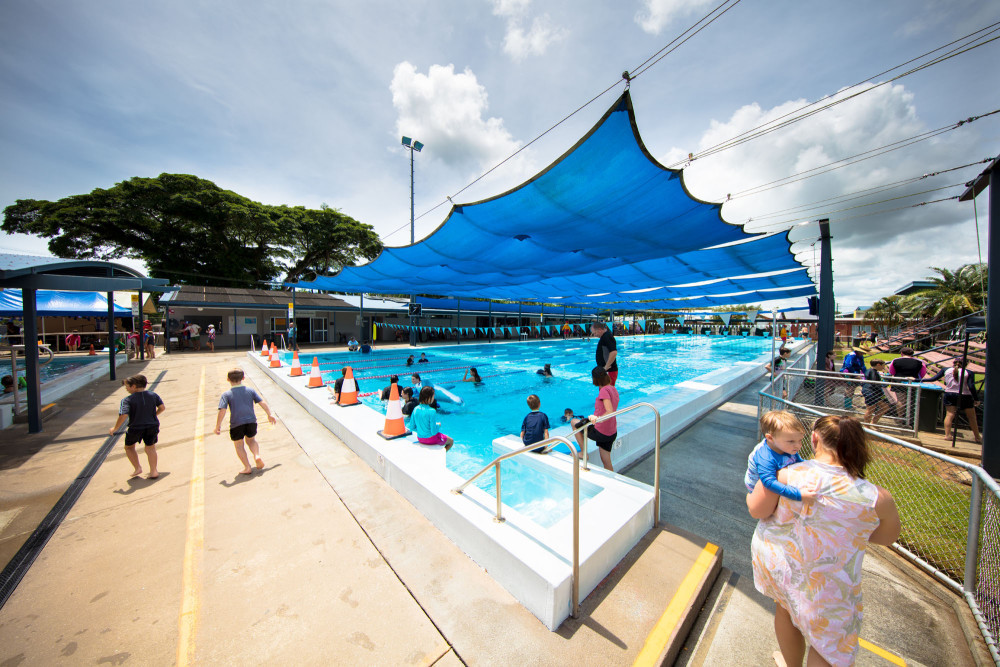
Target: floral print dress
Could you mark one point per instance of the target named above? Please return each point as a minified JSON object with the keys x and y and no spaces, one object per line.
{"x":808,"y":557}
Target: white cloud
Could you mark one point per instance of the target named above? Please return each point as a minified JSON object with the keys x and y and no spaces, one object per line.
{"x":908,"y":240}
{"x":656,"y":14}
{"x":445,"y":109}
{"x":518,"y":42}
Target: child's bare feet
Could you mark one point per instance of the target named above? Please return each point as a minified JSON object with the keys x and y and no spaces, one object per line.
{"x":153,"y":475}
{"x":248,"y":471}
{"x":260,"y":463}
{"x":136,"y":472}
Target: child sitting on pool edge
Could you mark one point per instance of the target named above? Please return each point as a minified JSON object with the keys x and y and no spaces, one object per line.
{"x":423,"y":421}
{"x":783,"y":435}
{"x":535,"y":426}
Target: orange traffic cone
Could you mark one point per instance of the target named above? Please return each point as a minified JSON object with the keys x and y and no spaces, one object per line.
{"x":275,"y":359}
{"x":349,"y":390}
{"x":315,"y":378}
{"x":91,"y":353}
{"x":264,"y":351}
{"x":296,"y":365}
{"x":395,"y":425}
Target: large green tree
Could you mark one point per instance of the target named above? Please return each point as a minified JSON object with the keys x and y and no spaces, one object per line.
{"x":188,"y":229}
{"x":955,"y":293}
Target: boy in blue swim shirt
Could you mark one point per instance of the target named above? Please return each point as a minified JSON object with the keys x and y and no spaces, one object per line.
{"x":783,"y":434}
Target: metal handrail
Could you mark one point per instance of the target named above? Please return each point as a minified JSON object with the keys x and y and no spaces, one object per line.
{"x":577,"y":455}
{"x":574,"y":610}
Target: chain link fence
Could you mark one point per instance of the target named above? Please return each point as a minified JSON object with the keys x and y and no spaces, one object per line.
{"x":889,"y":405}
{"x":950,"y":511}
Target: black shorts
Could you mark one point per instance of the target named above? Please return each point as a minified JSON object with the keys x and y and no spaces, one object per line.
{"x":243,"y":431}
{"x":960,"y":401}
{"x":603,"y":441}
{"x":148,"y":435}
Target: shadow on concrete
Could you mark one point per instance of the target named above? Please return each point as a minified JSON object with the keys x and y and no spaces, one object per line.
{"x":139,"y":483}
{"x":243,"y":479}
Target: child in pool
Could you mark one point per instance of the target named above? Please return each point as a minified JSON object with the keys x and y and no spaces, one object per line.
{"x":422,"y":420}
{"x":783,"y":435}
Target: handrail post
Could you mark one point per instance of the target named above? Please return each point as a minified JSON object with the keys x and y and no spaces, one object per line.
{"x":656,"y":469}
{"x":499,"y":517}
{"x":972,"y":539}
{"x":574,"y":612}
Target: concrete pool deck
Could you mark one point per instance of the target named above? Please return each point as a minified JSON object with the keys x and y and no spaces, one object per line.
{"x":314,"y":561}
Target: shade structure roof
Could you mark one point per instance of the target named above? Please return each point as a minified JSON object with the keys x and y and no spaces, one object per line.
{"x":604,"y":217}
{"x":52,"y":303}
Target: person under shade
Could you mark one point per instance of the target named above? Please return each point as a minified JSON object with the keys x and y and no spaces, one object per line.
{"x":808,"y":557}
{"x":603,"y":433}
{"x":423,"y":420}
{"x":535,"y":425}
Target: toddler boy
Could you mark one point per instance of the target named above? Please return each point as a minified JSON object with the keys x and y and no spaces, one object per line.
{"x":242,"y":420}
{"x":140,"y":408}
{"x":783,"y":434}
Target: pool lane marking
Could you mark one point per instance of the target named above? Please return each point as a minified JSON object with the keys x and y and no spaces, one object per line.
{"x":881,"y":652}
{"x":688,"y":589}
{"x":194,"y":543}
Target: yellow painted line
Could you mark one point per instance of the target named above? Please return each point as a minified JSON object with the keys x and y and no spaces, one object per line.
{"x":664,"y":628}
{"x":882,"y":653}
{"x":195,"y":541}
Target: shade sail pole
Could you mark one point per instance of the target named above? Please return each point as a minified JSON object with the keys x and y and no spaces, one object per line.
{"x":458,"y":335}
{"x":826,"y":306}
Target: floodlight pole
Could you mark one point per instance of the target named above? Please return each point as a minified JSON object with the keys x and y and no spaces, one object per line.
{"x":991,"y":399}
{"x":412,"y":146}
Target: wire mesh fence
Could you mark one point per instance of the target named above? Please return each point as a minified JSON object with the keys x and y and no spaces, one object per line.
{"x":950,"y":513}
{"x":886,"y":405}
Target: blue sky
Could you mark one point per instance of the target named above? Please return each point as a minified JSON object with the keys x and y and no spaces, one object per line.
{"x":302,"y":103}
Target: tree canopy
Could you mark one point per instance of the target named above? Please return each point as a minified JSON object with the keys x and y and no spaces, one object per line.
{"x":188,"y":229}
{"x":955,"y":293}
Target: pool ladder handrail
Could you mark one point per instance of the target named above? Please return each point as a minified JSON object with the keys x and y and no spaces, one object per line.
{"x":574,"y":450}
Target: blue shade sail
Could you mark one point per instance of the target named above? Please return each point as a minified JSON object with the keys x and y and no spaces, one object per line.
{"x":50,"y":303}
{"x":603,"y":217}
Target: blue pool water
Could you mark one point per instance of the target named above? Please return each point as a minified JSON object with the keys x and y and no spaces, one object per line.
{"x":58,"y":366}
{"x":647,"y":366}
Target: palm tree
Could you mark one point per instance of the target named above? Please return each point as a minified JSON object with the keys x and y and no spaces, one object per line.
{"x":955,"y":293}
{"x":887,"y":314}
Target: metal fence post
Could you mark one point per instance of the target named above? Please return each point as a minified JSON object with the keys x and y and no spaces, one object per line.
{"x":972,"y":540}
{"x":499,"y":518}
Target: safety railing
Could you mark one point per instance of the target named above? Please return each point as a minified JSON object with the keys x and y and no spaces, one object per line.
{"x":547,"y":445}
{"x":890,"y":404}
{"x":14,"y":349}
{"x":950,"y":512}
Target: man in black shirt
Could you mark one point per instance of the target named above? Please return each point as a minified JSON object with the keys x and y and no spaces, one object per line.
{"x":607,"y":349}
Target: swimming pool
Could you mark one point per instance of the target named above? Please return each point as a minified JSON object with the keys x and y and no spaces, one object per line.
{"x":649,"y":367}
{"x":55,"y":368}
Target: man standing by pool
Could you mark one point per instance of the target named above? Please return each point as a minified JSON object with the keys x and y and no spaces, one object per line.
{"x":607,"y":349}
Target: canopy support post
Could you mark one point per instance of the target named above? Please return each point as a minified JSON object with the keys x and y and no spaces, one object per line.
{"x":34,"y":390}
{"x":458,"y":307}
{"x":826,"y":305}
{"x":111,"y":335}
{"x":142,"y":332}
{"x":489,"y":331}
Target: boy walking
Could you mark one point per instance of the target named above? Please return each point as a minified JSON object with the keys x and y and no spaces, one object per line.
{"x":242,"y":420}
{"x":140,"y":408}
{"x":535,"y":426}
